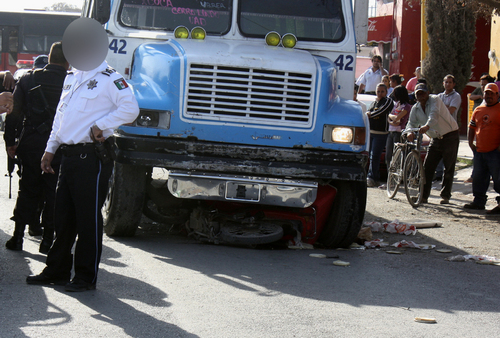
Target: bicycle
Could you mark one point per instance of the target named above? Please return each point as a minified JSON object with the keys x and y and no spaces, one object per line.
{"x":406,"y":167}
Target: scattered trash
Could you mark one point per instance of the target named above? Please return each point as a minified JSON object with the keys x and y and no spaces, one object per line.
{"x":396,"y":227}
{"x":300,"y":245}
{"x":392,"y":227}
{"x":394,"y":252}
{"x":376,"y":243}
{"x":365,"y":234}
{"x":428,"y":320}
{"x":375,"y":226}
{"x":480,"y":259}
{"x":356,"y":246}
{"x":443,"y":250}
{"x":341,"y":263}
{"x":317,"y":255}
{"x":420,"y":224}
{"x":458,"y":258}
{"x":410,"y":244}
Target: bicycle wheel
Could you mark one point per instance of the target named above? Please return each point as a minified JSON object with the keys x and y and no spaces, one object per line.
{"x":395,"y":173}
{"x":413,"y":178}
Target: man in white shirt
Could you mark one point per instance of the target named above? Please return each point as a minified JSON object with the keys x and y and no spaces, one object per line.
{"x":369,"y":80}
{"x":93,"y":103}
{"x":433,"y":118}
{"x":450,"y":97}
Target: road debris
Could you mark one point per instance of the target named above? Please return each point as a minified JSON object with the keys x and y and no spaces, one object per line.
{"x":443,"y":250}
{"x":410,"y":244}
{"x":376,"y":243}
{"x":341,"y":263}
{"x":392,"y":227}
{"x":394,"y":252}
{"x":317,"y":255}
{"x":480,"y":259}
{"x":428,"y":320}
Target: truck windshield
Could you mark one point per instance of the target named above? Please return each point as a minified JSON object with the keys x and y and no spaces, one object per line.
{"x":318,"y":20}
{"x":214,"y":17}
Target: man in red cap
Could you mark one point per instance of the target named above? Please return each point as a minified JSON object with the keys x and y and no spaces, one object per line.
{"x":485,"y":128}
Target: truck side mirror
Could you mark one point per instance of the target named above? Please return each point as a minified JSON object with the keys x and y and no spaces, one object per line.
{"x":101,"y":11}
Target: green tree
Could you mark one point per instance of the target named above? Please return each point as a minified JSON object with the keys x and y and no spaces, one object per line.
{"x":452,"y":34}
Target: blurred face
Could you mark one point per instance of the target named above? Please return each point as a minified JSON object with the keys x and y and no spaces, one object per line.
{"x":484,"y":82}
{"x":386,"y":81}
{"x":394,"y":84}
{"x":422,"y":96}
{"x":376,"y":63}
{"x":448,"y":84}
{"x":381,"y":92}
{"x":490,"y":97}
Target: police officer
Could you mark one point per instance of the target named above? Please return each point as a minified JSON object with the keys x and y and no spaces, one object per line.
{"x":35,"y":98}
{"x":93,"y":103}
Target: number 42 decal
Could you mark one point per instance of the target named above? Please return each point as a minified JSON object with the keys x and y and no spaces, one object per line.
{"x":113,"y":45}
{"x":340,"y":62}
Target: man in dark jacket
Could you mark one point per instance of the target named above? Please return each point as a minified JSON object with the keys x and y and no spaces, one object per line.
{"x":35,"y":100}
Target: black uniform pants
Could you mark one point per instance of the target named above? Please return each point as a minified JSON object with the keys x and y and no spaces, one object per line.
{"x":445,"y":148}
{"x":36,"y":190}
{"x":81,"y":191}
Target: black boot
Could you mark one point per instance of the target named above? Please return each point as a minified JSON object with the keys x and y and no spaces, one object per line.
{"x":48,"y":238}
{"x":35,"y":229}
{"x":16,"y":242}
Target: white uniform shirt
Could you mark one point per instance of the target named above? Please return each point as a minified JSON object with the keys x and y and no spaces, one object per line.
{"x":452,"y":99}
{"x":436,"y":116}
{"x":99,"y":96}
{"x":370,"y":79}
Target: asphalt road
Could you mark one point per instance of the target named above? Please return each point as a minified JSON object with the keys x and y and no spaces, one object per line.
{"x":158,"y":284}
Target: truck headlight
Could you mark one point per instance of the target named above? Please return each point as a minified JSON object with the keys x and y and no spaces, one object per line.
{"x":288,"y":40}
{"x":344,"y":134}
{"x":198,"y":33}
{"x":273,"y":38}
{"x":181,"y":32}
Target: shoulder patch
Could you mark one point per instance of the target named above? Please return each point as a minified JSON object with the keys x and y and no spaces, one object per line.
{"x":109,"y":71}
{"x":121,"y":83}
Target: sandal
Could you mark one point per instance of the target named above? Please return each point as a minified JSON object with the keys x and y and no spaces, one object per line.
{"x":494,"y":211}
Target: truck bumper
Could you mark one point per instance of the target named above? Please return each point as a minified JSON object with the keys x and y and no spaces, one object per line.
{"x":207,"y":157}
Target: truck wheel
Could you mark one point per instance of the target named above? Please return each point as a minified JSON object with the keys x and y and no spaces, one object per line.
{"x":257,"y":233}
{"x":346,"y":217}
{"x":122,"y":209}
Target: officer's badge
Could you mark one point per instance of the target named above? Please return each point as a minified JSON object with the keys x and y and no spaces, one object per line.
{"x":92,"y":84}
{"x":121,"y":84}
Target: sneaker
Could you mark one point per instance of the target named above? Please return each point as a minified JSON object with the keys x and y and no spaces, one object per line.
{"x":445,"y":201}
{"x":370,"y":182}
{"x":473,"y":206}
{"x":78,"y":285}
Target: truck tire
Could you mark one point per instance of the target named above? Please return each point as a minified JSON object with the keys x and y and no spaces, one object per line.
{"x":122,"y":209}
{"x":346,"y":217}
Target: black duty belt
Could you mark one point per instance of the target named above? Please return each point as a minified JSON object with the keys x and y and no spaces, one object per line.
{"x":77,"y":149}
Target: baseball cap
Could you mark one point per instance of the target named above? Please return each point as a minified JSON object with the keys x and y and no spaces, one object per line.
{"x":41,"y":61}
{"x":491,"y":87}
{"x":421,"y":86}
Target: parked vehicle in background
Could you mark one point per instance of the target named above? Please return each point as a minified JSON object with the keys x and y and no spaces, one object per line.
{"x":239,"y":132}
{"x":25,"y":35}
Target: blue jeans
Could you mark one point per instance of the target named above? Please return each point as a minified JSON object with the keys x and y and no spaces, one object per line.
{"x":377,"y":145}
{"x":486,"y":165}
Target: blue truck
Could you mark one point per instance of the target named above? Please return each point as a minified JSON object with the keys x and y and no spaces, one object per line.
{"x":247,"y":132}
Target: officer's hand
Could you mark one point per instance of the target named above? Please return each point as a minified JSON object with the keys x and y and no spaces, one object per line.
{"x":6,"y":102}
{"x":46,"y":161}
{"x":8,"y":81}
{"x":96,"y":134}
{"x":11,"y":151}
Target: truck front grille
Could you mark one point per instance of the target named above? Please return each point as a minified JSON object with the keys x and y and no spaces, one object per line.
{"x":246,"y":95}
